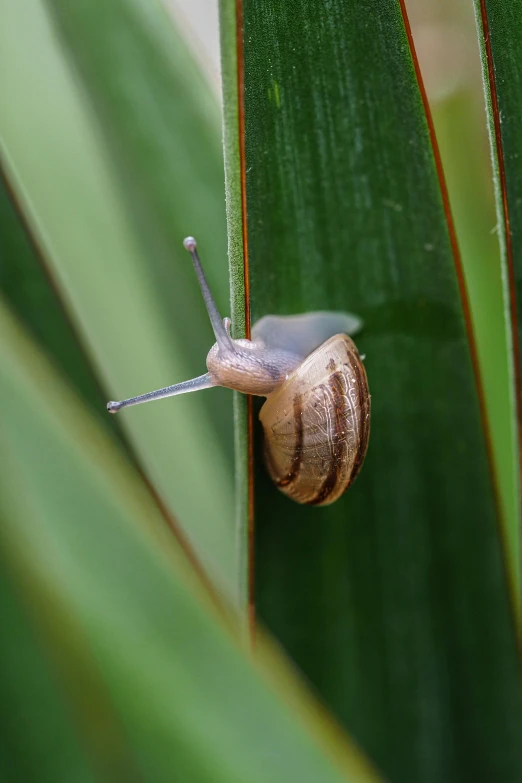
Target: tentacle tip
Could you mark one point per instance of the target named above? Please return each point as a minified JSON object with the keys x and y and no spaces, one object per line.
{"x":113,"y":407}
{"x":189,"y":243}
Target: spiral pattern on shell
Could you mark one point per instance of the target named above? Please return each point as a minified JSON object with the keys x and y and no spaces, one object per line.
{"x":317,"y":424}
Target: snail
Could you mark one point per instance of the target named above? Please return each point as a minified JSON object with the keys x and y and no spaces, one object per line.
{"x":316,"y":417}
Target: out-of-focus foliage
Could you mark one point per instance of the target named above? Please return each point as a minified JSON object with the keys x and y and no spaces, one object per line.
{"x":155,"y":686}
{"x":123,"y":656}
{"x":124,"y":278}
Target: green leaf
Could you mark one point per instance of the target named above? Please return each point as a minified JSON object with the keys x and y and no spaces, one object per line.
{"x":394,"y":600}
{"x":157,"y":685}
{"x":25,"y":284}
{"x":472,"y":204}
{"x":500,"y":39}
{"x":39,"y":722}
{"x":124,"y":278}
{"x":238,"y":297}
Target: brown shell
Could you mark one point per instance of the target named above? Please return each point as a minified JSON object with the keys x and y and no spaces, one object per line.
{"x":317,"y":424}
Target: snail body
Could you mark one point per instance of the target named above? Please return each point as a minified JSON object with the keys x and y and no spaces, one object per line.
{"x":316,"y":418}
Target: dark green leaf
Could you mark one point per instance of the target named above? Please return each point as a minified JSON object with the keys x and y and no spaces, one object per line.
{"x":394,"y":600}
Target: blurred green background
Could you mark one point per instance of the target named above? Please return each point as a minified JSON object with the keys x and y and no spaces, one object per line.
{"x":128,"y":552}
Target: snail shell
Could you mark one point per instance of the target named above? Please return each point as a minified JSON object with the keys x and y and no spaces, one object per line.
{"x":317,"y":424}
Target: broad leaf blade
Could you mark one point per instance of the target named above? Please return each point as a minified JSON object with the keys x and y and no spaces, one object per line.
{"x":159,"y":688}
{"x":140,"y":315}
{"x":500,"y":39}
{"x":382,"y":599}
